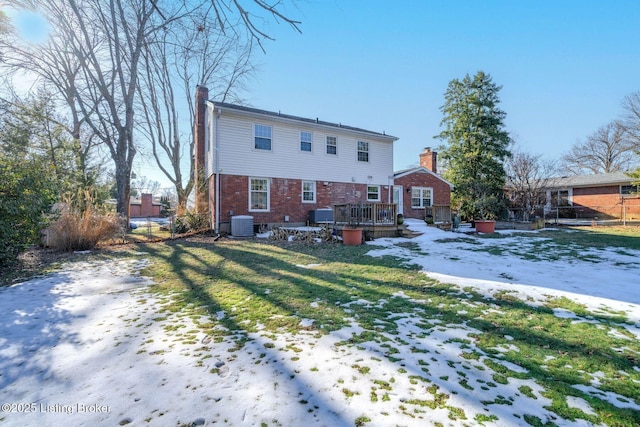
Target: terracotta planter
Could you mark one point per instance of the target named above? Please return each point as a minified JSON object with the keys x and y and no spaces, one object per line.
{"x":352,"y":236}
{"x":485,"y":226}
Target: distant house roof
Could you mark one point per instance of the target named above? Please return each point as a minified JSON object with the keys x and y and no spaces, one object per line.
{"x":596,"y":180}
{"x":137,"y":200}
{"x":288,"y":117}
{"x":420,"y":169}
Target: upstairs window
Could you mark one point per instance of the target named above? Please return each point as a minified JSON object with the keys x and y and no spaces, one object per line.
{"x":305,"y":141}
{"x":332,"y":145}
{"x":262,"y":137}
{"x":363,"y":151}
{"x":373,"y":193}
{"x":421,"y":197}
{"x":308,"y":191}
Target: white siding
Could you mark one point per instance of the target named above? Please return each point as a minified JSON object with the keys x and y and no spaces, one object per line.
{"x":237,"y":155}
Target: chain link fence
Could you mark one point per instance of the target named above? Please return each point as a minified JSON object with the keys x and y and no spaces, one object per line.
{"x":603,"y":214}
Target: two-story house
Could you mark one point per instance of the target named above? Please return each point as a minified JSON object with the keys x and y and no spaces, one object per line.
{"x":277,"y":167}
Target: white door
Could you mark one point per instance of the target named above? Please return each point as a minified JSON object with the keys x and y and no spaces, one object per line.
{"x":397,"y":197}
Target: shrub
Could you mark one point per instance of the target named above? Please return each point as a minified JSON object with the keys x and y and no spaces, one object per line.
{"x":25,"y":193}
{"x":191,"y":221}
{"x":75,"y":231}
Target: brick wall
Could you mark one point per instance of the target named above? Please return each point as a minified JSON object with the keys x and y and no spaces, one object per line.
{"x":145,"y":208}
{"x":441,"y":191}
{"x":285,"y":198}
{"x":604,"y":202}
{"x":201,"y":192}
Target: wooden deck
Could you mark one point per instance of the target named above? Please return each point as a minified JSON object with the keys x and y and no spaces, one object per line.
{"x":376,"y":219}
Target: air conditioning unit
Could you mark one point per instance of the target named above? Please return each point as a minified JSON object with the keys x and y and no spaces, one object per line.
{"x":321,"y":215}
{"x":242,"y":226}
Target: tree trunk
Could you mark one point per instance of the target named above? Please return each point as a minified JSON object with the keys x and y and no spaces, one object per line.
{"x":123,"y":185}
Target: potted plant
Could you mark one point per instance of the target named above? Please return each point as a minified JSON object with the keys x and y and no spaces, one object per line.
{"x":488,"y":207}
{"x":352,"y":233}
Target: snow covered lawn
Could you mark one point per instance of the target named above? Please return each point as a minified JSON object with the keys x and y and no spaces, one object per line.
{"x":512,"y":331}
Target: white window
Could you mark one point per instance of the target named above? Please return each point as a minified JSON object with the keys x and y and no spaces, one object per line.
{"x":308,"y":191}
{"x":373,"y":193}
{"x":262,"y":137}
{"x":560,"y":198}
{"x":259,"y":194}
{"x":363,"y":151}
{"x":421,"y":197}
{"x":305,"y":141}
{"x":332,"y":145}
{"x":629,"y":190}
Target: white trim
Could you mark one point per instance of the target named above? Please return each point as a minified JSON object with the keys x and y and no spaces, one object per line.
{"x":326,"y":145}
{"x":421,"y":197}
{"x":379,"y":194}
{"x":268,"y":181}
{"x":253,"y":141}
{"x":399,"y":190}
{"x":310,"y":142}
{"x":421,"y":169}
{"x":557,"y":190}
{"x":358,"y":151}
{"x":314,"y":192}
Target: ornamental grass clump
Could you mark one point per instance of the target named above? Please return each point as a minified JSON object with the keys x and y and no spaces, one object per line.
{"x":77,"y":231}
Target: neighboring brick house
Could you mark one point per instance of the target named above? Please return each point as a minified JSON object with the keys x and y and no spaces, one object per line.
{"x":277,"y":167}
{"x":420,"y":191}
{"x":144,"y":206}
{"x":602,"y":196}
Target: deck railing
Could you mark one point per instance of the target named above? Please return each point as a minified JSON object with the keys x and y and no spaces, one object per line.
{"x":438,"y":213}
{"x":370,"y":214}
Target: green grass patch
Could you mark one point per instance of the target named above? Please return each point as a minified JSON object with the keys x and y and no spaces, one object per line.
{"x":259,"y":287}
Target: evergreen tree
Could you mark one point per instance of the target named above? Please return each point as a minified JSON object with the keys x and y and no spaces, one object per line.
{"x":27,"y":189}
{"x":476,"y":146}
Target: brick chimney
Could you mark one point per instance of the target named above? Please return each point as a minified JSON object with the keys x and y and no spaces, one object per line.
{"x":201,"y":188}
{"x":429,"y":160}
{"x":146,"y":205}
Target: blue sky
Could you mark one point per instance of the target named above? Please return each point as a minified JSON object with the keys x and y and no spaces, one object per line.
{"x":564,"y":66}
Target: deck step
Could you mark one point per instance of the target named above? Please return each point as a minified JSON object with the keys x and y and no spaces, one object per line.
{"x":405,"y":232}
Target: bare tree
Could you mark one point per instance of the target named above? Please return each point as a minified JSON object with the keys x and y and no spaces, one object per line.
{"x":142,"y":184}
{"x":528,"y":177}
{"x":5,"y":26}
{"x":92,"y":57}
{"x":631,"y":122}
{"x":58,"y":70}
{"x":104,"y":40}
{"x":225,"y":13}
{"x":607,"y":150}
{"x":631,"y":118}
{"x":172,"y":70}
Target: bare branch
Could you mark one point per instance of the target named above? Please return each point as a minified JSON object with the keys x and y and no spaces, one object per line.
{"x":528,"y":176}
{"x":609,"y":149}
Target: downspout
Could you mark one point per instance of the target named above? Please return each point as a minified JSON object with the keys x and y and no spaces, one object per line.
{"x":217,"y":171}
